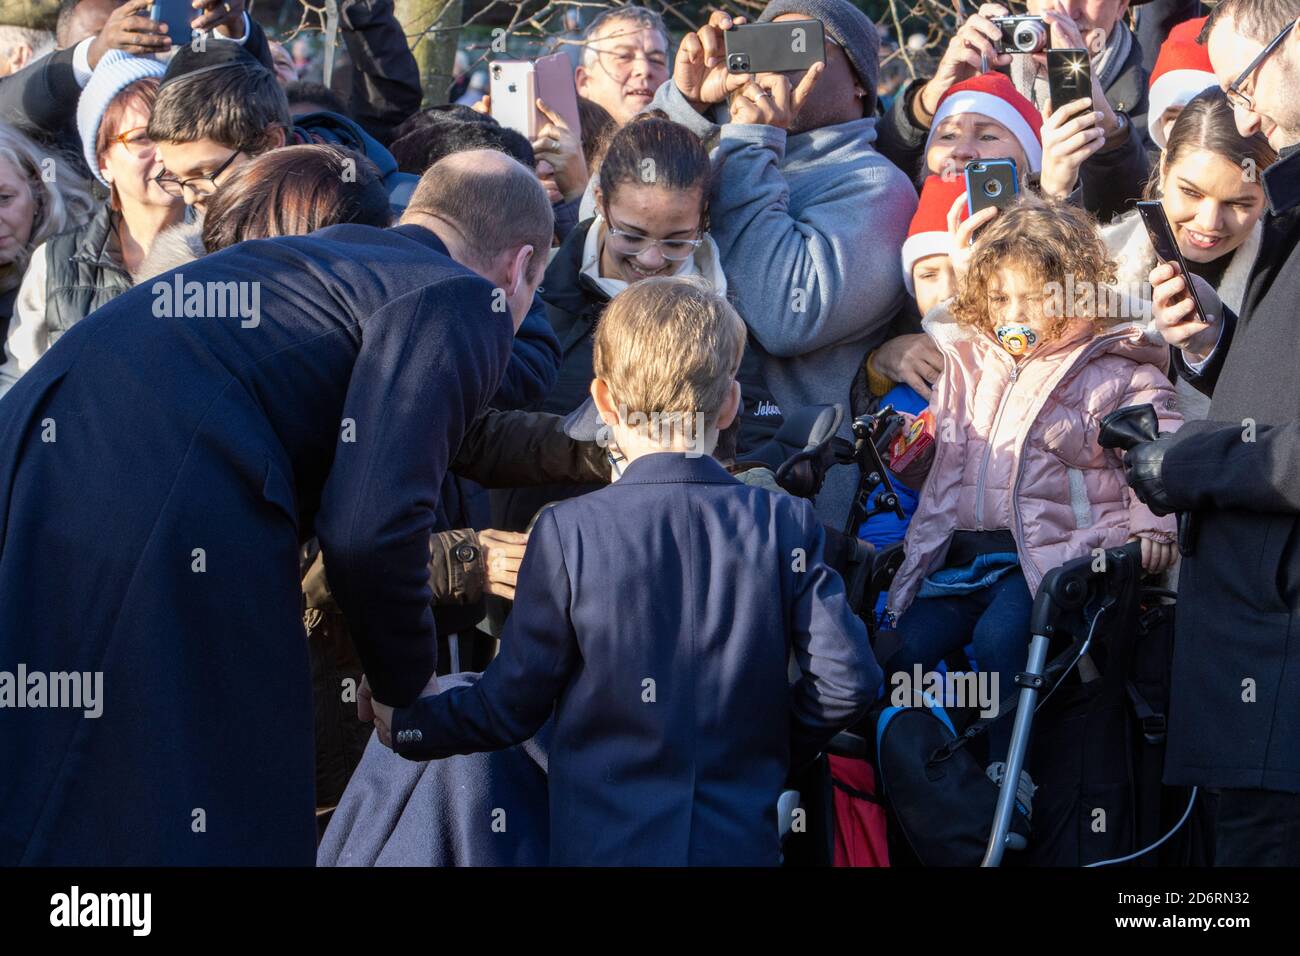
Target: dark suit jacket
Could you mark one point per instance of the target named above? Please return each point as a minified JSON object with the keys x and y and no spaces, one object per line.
{"x":155,"y":538}
{"x":1235,"y":709}
{"x":656,"y":618}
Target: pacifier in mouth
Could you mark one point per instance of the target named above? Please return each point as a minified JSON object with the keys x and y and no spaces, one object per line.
{"x":1017,"y":339}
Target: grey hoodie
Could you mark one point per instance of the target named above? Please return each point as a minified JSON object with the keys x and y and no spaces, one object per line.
{"x":810,"y":227}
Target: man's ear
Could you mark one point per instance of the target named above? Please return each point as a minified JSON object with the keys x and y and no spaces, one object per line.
{"x":730,"y":407}
{"x":277,"y":136}
{"x":580,"y":80}
{"x":604,"y":399}
{"x":519,"y":266}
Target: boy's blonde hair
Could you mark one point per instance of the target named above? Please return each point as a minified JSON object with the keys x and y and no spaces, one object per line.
{"x":669,"y":347}
{"x":1051,"y":241}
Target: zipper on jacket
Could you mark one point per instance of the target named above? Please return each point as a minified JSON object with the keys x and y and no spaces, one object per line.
{"x":988,"y":451}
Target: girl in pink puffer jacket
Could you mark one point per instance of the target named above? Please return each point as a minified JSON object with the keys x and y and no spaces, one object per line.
{"x":1017,"y":483}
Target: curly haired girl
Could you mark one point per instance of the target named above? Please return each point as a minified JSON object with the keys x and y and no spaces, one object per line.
{"x":1017,"y":483}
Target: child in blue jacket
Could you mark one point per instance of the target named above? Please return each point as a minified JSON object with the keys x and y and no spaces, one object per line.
{"x":656,"y":618}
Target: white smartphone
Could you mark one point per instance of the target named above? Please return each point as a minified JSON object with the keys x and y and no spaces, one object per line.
{"x":516,"y":85}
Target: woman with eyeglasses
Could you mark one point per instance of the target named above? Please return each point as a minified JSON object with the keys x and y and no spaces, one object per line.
{"x":80,"y":269}
{"x":651,"y":219}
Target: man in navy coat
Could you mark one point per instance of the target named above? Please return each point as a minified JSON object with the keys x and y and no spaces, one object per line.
{"x":161,"y":465}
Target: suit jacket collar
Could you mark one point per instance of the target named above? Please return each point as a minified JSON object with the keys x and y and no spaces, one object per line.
{"x":1282,"y":182}
{"x":668,"y":467}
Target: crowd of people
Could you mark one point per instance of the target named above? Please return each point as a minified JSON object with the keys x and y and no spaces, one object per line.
{"x":491,"y":420}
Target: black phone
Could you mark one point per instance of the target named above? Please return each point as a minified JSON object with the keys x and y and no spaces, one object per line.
{"x":1069,"y":76}
{"x":1166,"y":246}
{"x":991,"y":182}
{"x":774,"y":47}
{"x":177,"y":14}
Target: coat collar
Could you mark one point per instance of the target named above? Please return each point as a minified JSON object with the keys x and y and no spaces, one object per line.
{"x":1282,"y":182}
{"x":667,"y":467}
{"x":423,"y":236}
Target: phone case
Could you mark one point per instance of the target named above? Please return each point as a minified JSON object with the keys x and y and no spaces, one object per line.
{"x":555,"y":88}
{"x":991,"y":182}
{"x":1165,"y":245}
{"x":774,"y":47}
{"x":512,"y":86}
{"x":177,"y":14}
{"x":1069,"y":76}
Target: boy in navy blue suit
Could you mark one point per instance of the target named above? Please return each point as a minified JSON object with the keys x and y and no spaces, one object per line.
{"x":655,"y":618}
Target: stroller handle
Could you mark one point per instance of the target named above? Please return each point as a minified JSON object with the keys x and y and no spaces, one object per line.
{"x":1067,"y":588}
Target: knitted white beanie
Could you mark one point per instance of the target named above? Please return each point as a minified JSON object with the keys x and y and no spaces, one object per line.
{"x":115,"y":72}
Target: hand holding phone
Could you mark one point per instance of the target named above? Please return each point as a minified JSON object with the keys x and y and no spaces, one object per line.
{"x":1069,"y":76}
{"x":991,"y":183}
{"x":1167,"y":251}
{"x":789,"y":46}
{"x":1175,"y":315}
{"x":176,"y":15}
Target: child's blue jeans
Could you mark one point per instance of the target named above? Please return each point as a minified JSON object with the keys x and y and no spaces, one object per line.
{"x":995,"y":619}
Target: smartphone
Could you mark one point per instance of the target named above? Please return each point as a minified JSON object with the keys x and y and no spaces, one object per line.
{"x":177,"y":14}
{"x":774,"y":47}
{"x":516,"y":85}
{"x":1166,"y":246}
{"x":991,"y":182}
{"x":1069,"y":76}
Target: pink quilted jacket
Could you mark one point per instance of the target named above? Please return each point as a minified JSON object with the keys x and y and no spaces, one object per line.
{"x":1017,"y":448}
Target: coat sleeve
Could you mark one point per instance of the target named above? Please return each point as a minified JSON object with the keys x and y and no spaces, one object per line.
{"x":1234,"y":466}
{"x":515,"y":449}
{"x":385,"y":77}
{"x":41,"y":99}
{"x":1204,"y":379}
{"x":1150,"y":385}
{"x":900,"y":140}
{"x":428,"y":363}
{"x":1112,"y":181}
{"x":829,"y":274}
{"x":539,"y":651}
{"x":839,"y":676}
{"x":534,"y":362}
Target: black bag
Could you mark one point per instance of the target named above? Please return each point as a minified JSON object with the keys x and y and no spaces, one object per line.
{"x":939,"y":797}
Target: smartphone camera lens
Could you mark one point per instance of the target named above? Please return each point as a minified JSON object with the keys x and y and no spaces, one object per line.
{"x":738,"y":63}
{"x":496,"y":72}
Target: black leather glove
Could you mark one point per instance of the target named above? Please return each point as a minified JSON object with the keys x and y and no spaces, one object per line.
{"x":1142,"y":466}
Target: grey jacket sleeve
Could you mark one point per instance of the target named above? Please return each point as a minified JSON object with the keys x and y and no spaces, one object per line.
{"x":898,"y":138}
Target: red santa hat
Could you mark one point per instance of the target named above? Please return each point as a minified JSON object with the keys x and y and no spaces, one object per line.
{"x":928,"y":234}
{"x":1182,"y":70}
{"x":994,"y":96}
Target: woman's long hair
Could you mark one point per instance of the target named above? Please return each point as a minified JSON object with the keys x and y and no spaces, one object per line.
{"x":61,"y":199}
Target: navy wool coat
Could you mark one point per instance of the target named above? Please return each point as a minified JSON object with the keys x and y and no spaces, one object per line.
{"x":157,"y":476}
{"x":656,"y":618}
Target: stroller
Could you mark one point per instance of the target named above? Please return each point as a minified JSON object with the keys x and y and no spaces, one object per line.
{"x":1096,"y":681}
